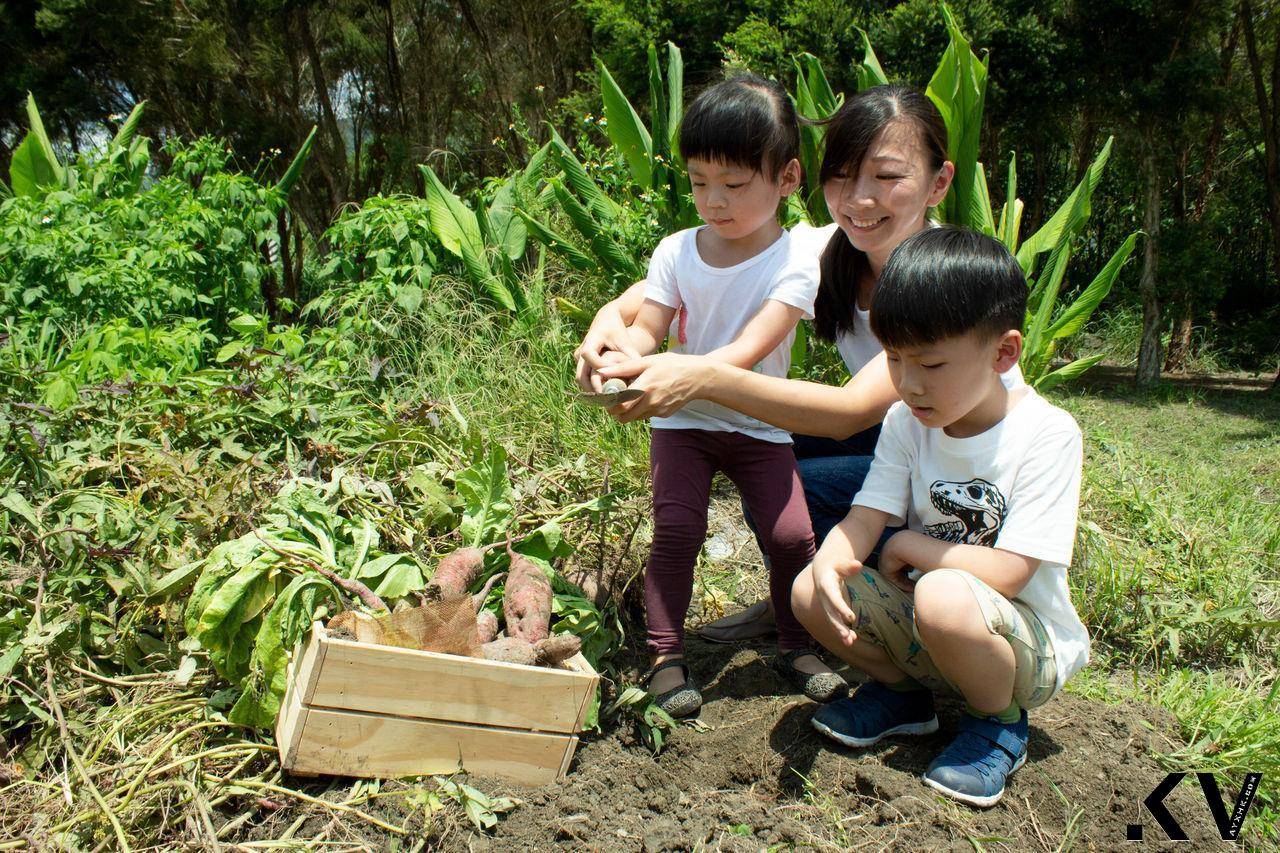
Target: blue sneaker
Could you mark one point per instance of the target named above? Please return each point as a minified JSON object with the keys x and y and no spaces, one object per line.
{"x":874,"y":712}
{"x":974,"y":768}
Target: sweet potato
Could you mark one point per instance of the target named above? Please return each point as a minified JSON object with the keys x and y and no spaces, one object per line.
{"x":526,"y":605}
{"x":559,"y":648}
{"x":510,"y":650}
{"x":548,"y":652}
{"x":486,"y":627}
{"x":457,"y":572}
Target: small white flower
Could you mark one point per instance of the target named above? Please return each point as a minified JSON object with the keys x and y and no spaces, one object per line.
{"x":45,"y":221}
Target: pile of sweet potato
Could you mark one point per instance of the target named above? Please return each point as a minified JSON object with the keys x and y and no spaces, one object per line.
{"x":448,"y":619}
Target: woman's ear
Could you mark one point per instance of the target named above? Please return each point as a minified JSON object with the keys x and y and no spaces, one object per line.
{"x":790,"y":177}
{"x":1008,"y":351}
{"x":941,"y":183}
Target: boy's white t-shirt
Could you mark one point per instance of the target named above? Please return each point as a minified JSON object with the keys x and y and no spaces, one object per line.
{"x":859,"y":346}
{"x":1015,"y":487}
{"x":715,"y":304}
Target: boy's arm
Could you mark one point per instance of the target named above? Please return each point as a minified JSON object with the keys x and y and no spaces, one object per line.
{"x":761,"y":336}
{"x":1004,"y":571}
{"x":840,"y":556}
{"x":649,"y":328}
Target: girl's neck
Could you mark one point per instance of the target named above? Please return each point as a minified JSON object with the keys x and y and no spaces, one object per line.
{"x":716,"y":251}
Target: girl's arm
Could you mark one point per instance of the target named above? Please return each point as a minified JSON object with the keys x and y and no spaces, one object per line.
{"x":649,"y":329}
{"x":760,"y":336}
{"x":608,"y":332}
{"x":671,"y":380}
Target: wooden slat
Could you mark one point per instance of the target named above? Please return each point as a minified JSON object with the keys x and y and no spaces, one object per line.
{"x":347,"y":743}
{"x":307,"y":659}
{"x":426,"y":685}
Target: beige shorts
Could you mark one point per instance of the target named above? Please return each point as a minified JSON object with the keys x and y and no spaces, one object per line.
{"x":886,"y":617}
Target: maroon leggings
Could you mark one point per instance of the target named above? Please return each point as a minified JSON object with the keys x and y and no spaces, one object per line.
{"x":682,"y":463}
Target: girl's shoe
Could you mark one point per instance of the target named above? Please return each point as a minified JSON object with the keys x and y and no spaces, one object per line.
{"x":974,"y":768}
{"x":750,"y":624}
{"x":818,"y":686}
{"x":683,"y":700}
{"x":874,"y":712}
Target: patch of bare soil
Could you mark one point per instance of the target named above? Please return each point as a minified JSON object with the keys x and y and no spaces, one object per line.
{"x":761,"y":776}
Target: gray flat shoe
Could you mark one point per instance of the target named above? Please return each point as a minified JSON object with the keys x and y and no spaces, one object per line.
{"x":750,"y":624}
{"x":683,"y":700}
{"x":818,"y":686}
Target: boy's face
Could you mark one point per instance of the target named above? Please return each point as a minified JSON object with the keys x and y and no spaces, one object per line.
{"x":736,"y":201}
{"x":954,"y":384}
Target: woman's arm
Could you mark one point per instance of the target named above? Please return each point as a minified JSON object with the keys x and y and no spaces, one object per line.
{"x":671,"y":380}
{"x":608,"y":332}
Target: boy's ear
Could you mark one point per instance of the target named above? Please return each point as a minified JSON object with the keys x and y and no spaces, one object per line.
{"x":789,"y":178}
{"x":1008,"y":351}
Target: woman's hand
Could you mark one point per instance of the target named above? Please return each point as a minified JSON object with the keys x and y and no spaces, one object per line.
{"x":601,"y":347}
{"x":669,"y":381}
{"x":829,"y":573}
{"x":893,"y":567}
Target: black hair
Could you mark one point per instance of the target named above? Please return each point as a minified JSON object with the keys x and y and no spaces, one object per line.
{"x":745,"y":121}
{"x":946,"y":282}
{"x":850,"y":132}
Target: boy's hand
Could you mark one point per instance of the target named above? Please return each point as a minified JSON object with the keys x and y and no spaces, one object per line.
{"x":893,"y":567}
{"x":829,"y":574}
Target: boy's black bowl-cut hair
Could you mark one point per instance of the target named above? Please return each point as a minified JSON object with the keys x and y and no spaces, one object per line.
{"x":745,"y":121}
{"x":946,"y":282}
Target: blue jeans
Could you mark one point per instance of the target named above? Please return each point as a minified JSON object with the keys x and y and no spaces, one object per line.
{"x":832,"y":471}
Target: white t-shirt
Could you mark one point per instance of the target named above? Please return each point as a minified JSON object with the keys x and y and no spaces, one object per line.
{"x":715,"y":304}
{"x":1015,"y":487}
{"x":859,"y":346}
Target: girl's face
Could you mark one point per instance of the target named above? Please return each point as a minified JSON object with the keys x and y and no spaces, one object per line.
{"x":737,"y":201}
{"x":886,"y":200}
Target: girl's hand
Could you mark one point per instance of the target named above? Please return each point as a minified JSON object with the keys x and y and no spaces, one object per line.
{"x":669,"y":380}
{"x":829,"y":574}
{"x":598,"y":349}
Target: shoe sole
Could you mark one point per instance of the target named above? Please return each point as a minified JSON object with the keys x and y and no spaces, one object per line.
{"x":971,"y":799}
{"x":928,"y":727}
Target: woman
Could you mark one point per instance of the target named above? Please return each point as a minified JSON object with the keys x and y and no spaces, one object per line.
{"x":884,"y":166}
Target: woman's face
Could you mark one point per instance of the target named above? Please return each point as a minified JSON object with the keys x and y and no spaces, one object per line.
{"x":886,"y":200}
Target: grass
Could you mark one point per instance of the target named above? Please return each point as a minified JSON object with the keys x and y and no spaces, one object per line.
{"x":1177,"y":569}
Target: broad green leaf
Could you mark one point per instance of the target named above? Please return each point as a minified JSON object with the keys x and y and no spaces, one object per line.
{"x":657,"y":111}
{"x":1070,"y":216}
{"x":234,"y":591}
{"x":30,"y":170}
{"x":981,"y":200}
{"x":1070,"y":371}
{"x":174,"y":582}
{"x":610,"y":253}
{"x":487,"y":498}
{"x":625,"y":129}
{"x":125,"y":134}
{"x":869,"y":71}
{"x":575,"y":175}
{"x":377,"y":567}
{"x":13,"y":501}
{"x":574,"y":256}
{"x":675,"y":101}
{"x":456,"y":227}
{"x":958,"y":89}
{"x":10,"y":659}
{"x":400,"y":580}
{"x":800,"y":350}
{"x":1011,"y":211}
{"x":508,"y":230}
{"x":1074,"y":317}
{"x":291,"y":174}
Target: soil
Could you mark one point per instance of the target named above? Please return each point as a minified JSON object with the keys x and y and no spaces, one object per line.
{"x":755,"y":774}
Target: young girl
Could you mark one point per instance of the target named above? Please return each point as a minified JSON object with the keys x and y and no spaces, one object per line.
{"x":735,"y":293}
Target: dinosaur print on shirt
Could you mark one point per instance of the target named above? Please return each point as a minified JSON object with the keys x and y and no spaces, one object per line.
{"x":977,"y":504}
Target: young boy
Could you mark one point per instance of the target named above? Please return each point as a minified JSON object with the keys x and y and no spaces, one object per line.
{"x":972,"y":597}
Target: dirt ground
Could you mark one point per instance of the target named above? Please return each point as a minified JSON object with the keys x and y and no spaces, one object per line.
{"x":756,"y":775}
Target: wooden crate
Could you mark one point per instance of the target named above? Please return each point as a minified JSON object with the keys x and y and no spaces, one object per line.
{"x":355,"y":709}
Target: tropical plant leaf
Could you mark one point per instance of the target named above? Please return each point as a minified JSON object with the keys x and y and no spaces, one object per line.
{"x":125,"y":134}
{"x":675,"y":102}
{"x":458,"y":230}
{"x":869,"y":71}
{"x":1011,"y":211}
{"x":1070,"y":215}
{"x":1073,"y":318}
{"x":30,"y":171}
{"x":507,"y":230}
{"x":958,"y":89}
{"x":1067,"y":372}
{"x":290,"y":177}
{"x":559,"y":244}
{"x":575,"y":175}
{"x":625,"y":129}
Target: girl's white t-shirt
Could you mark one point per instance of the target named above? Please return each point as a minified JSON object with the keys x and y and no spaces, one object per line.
{"x":714,"y":305}
{"x":1015,"y":487}
{"x":860,"y":346}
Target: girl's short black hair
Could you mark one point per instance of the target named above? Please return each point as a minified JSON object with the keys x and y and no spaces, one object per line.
{"x":947,"y":282}
{"x":850,"y":132}
{"x":745,"y":121}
